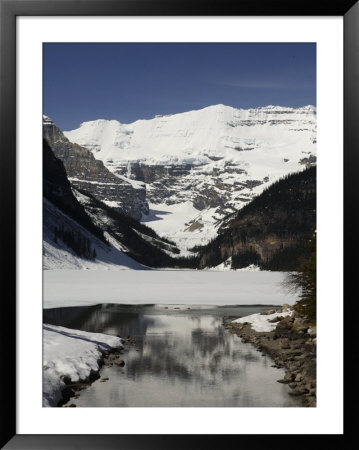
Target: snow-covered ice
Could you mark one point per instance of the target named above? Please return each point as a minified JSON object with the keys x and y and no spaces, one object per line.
{"x":261,"y":322}
{"x":70,"y":353}
{"x":77,"y":287}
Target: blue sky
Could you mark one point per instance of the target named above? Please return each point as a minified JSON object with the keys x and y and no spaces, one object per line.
{"x":128,"y":82}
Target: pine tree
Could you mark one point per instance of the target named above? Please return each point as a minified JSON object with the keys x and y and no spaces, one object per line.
{"x":305,"y":280}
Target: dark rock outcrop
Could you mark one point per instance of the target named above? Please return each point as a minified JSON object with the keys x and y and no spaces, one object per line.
{"x":57,"y":189}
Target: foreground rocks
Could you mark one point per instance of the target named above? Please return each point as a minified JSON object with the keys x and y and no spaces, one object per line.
{"x":292,"y":345}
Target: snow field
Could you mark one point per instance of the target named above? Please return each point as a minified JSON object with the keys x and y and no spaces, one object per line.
{"x":197,"y":287}
{"x":172,"y":222}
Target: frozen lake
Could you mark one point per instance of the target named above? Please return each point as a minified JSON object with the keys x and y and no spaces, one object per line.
{"x":167,"y":287}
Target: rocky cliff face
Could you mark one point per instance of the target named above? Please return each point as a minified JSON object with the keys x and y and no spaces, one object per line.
{"x":86,"y":172}
{"x":200,"y":166}
{"x":179,"y":183}
{"x":57,"y":190}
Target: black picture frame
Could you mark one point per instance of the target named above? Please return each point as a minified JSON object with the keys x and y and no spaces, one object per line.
{"x":9,"y":10}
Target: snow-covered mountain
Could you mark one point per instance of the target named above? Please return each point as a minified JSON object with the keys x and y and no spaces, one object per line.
{"x":199,"y":166}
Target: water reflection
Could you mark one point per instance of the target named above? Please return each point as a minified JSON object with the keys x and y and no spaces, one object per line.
{"x":182,"y":358}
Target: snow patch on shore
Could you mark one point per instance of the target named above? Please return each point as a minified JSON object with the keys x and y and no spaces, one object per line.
{"x":260,"y":322}
{"x":70,"y":353}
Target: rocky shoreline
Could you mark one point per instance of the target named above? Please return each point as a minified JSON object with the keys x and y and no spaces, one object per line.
{"x":292,"y":346}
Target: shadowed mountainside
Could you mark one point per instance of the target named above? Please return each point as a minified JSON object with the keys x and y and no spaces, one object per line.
{"x":271,"y":231}
{"x":114,"y":229}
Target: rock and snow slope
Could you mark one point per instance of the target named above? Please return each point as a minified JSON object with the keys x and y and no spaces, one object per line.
{"x":200,"y":165}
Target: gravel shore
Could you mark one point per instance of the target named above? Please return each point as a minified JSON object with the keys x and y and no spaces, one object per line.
{"x":292,"y":345}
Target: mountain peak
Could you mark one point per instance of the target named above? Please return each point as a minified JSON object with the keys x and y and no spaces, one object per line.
{"x":46,"y":120}
{"x":100,"y":122}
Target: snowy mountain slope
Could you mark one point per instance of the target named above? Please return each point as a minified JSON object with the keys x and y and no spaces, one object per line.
{"x":58,"y":255}
{"x":214,"y":160}
{"x":128,"y":235}
{"x":196,"y":136}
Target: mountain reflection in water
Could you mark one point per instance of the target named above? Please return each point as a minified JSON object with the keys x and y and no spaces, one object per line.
{"x":182,"y":357}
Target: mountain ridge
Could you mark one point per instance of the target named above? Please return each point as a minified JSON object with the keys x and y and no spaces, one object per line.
{"x":217,"y":105}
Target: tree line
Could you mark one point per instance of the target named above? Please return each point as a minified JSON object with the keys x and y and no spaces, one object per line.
{"x":304,"y":280}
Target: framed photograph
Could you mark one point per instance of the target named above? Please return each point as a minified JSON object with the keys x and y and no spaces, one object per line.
{"x":169,"y":251}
